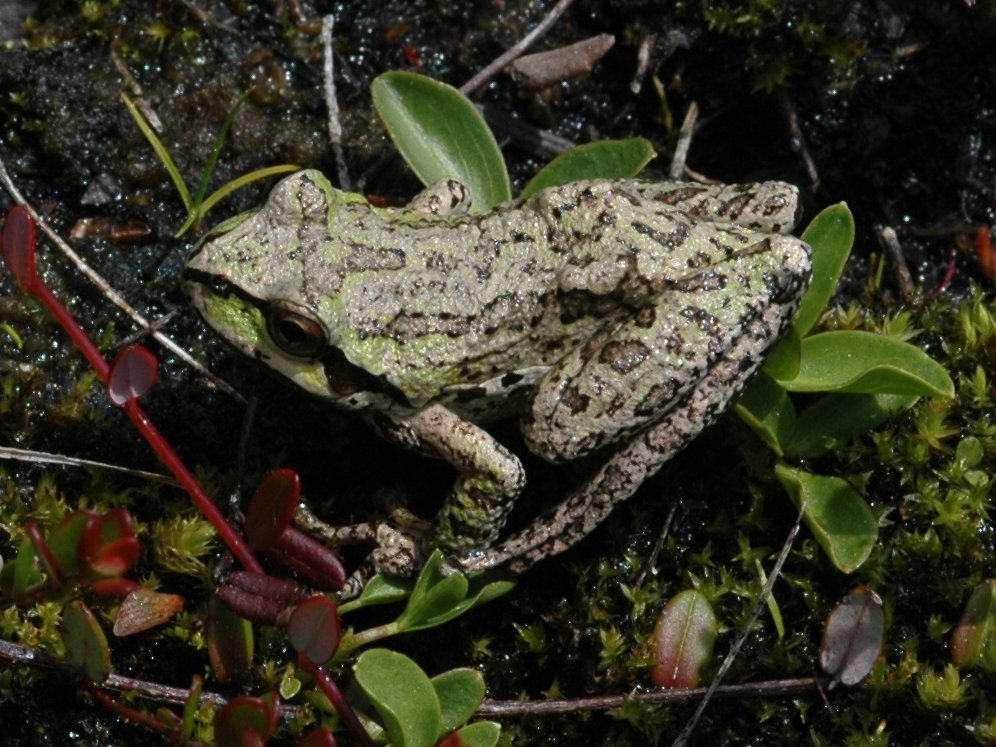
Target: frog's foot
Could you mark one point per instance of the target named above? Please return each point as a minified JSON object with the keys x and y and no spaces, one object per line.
{"x":396,"y":543}
{"x":396,"y":553}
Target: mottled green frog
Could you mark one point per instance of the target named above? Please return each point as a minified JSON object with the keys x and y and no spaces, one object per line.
{"x":617,"y":317}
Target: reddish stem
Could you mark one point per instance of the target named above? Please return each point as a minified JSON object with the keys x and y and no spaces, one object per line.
{"x":338,"y":700}
{"x":188,"y":482}
{"x":130,"y":714}
{"x":34,"y":286}
{"x":68,"y":323}
{"x":58,"y":579}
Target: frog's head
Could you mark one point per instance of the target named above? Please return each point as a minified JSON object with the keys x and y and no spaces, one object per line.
{"x":266,"y":281}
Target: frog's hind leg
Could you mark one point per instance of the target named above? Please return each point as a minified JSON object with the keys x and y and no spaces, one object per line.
{"x":579,"y":514}
{"x":637,"y":371}
{"x":654,"y":381}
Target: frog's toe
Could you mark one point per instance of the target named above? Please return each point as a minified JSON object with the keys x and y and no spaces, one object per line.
{"x":396,"y":553}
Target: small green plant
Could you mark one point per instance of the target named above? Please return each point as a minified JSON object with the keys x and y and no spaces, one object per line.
{"x":197,"y":205}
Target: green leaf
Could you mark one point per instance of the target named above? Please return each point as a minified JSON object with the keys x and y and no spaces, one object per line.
{"x":480,"y":734}
{"x":605,"y":159}
{"x":765,"y":407}
{"x":433,"y":597}
{"x":219,"y":143}
{"x":683,"y":639}
{"x":838,"y":517}
{"x":440,"y":133}
{"x":86,"y":644}
{"x":403,"y":695}
{"x":838,"y":417}
{"x":831,"y":235}
{"x":226,"y":189}
{"x":460,"y":693}
{"x":190,"y":708}
{"x":26,"y":573}
{"x":64,"y":541}
{"x":785,"y":358}
{"x":379,"y":590}
{"x":772,"y":604}
{"x":161,"y":152}
{"x":866,"y":363}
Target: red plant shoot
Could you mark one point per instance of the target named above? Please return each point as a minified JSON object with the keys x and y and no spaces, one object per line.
{"x":985,"y":252}
{"x":130,"y":377}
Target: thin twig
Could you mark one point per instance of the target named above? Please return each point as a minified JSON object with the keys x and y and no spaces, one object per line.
{"x":500,"y":62}
{"x":904,"y":279}
{"x":112,"y":295}
{"x":332,"y":104}
{"x":14,"y":652}
{"x":799,"y":144}
{"x":137,"y":94}
{"x":759,"y":603}
{"x":771,"y":688}
{"x":658,"y":546}
{"x":677,"y":170}
{"x":44,"y":457}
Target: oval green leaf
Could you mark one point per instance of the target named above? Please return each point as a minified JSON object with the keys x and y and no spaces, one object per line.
{"x":831,"y":235}
{"x":403,"y":696}
{"x":785,"y":358}
{"x":838,"y":417}
{"x":838,"y":517}
{"x":440,"y":133}
{"x":606,"y":159}
{"x":853,"y":637}
{"x":229,"y":640}
{"x":25,"y":569}
{"x":974,"y":642}
{"x":460,"y":693}
{"x":866,"y":363}
{"x":434,"y":596}
{"x":379,"y":590}
{"x":766,"y":408}
{"x":480,"y":734}
{"x":86,"y":644}
{"x":683,"y":640}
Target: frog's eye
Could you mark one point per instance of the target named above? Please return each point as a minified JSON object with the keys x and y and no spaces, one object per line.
{"x":294,"y":329}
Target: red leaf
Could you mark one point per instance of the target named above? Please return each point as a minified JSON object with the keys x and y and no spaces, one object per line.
{"x":115,"y":558}
{"x":853,"y":637}
{"x":243,"y":721}
{"x":314,"y":629}
{"x":974,"y":641}
{"x":144,"y":609}
{"x":318,"y":738}
{"x":685,"y":634}
{"x":272,"y":508}
{"x":132,"y":374}
{"x":18,"y":246}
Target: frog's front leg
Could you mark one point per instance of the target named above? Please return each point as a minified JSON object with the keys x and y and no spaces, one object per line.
{"x":490,"y":480}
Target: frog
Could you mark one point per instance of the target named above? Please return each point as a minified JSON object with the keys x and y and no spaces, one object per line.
{"x":616,"y":318}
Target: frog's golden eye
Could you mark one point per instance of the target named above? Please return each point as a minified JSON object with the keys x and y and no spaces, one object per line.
{"x":294,"y":329}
